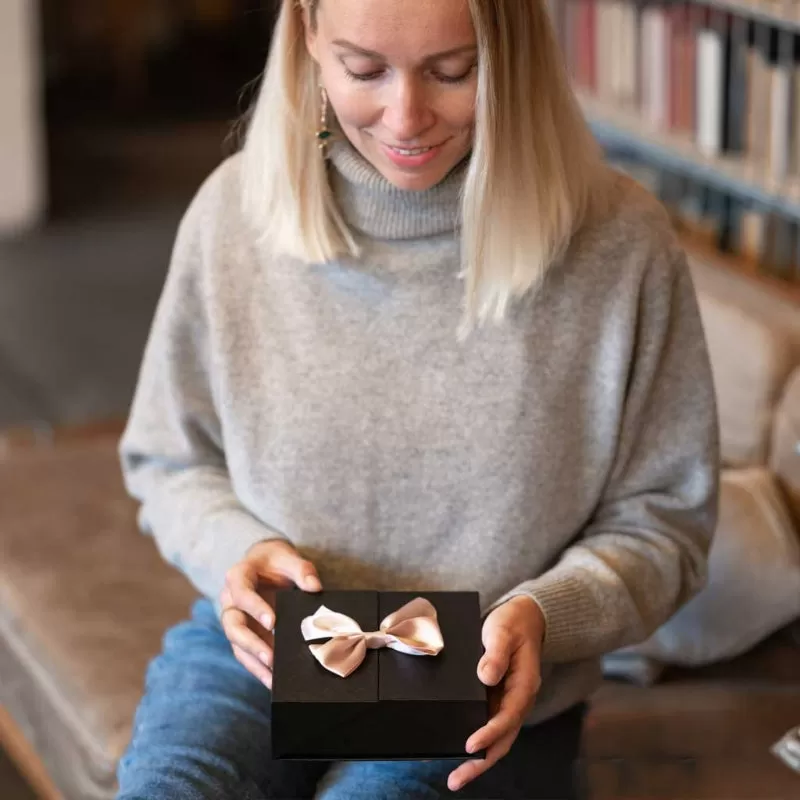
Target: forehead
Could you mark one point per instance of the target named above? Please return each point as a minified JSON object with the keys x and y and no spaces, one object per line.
{"x":398,"y":29}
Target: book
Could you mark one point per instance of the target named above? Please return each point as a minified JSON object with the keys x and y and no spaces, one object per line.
{"x":710,"y":91}
{"x":655,"y":66}
{"x":683,"y":63}
{"x":736,"y":76}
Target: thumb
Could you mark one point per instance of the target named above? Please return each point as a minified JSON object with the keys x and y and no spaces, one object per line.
{"x":498,"y":642}
{"x":289,"y":563}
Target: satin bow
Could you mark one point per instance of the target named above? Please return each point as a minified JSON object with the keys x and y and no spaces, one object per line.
{"x":412,"y":629}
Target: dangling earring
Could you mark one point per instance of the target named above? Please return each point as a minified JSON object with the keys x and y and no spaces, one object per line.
{"x":323,"y":134}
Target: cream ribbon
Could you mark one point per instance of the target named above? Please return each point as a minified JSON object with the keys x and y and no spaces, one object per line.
{"x":412,"y":629}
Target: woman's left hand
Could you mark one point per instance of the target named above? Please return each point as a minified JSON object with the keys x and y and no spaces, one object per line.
{"x":512,"y":638}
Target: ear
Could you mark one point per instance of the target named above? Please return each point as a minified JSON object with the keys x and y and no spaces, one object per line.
{"x":310,"y":28}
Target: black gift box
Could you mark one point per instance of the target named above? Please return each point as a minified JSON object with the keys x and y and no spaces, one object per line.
{"x":394,"y":706}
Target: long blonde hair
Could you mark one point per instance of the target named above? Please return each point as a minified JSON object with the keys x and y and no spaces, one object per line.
{"x":531,"y":179}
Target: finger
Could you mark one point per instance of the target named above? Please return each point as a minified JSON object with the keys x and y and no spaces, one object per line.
{"x":239,"y":634}
{"x":300,"y":570}
{"x":509,"y":717}
{"x":519,"y":693}
{"x":470,"y":770}
{"x":498,"y":642}
{"x":263,"y":633}
{"x":241,"y":583}
{"x":254,"y":666}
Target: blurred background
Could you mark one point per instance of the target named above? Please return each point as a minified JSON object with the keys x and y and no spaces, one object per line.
{"x":701,"y":102}
{"x":114,"y":111}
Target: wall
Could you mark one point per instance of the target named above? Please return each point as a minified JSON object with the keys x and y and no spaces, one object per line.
{"x":22,"y":179}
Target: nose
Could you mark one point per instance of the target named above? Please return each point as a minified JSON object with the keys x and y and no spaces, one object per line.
{"x":407,"y":114}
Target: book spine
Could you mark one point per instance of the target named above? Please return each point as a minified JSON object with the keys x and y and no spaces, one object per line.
{"x":710,"y":82}
{"x":735,"y":125}
{"x":655,"y":75}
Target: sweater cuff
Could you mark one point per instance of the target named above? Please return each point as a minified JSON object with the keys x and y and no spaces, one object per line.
{"x":570,"y":614}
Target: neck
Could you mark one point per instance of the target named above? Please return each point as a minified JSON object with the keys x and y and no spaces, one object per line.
{"x":377,"y":208}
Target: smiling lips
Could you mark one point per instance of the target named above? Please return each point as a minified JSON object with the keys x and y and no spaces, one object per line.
{"x":417,"y":151}
{"x":412,"y":157}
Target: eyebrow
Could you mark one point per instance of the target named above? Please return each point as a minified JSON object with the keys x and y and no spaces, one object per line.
{"x":456,"y":51}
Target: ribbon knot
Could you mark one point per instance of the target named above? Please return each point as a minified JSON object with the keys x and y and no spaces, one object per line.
{"x":412,"y":629}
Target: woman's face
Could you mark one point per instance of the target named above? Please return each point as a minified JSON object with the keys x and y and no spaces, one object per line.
{"x":401,"y":76}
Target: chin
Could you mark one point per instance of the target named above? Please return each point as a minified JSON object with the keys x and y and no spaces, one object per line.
{"x":422,"y":180}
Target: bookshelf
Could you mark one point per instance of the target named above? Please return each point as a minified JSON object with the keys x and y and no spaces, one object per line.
{"x":620,"y":132}
{"x":785,"y":13}
{"x":700,"y":100}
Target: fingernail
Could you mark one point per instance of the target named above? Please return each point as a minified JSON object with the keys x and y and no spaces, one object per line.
{"x":264,"y":658}
{"x":313,"y":584}
{"x":267,"y":621}
{"x":472,"y":747}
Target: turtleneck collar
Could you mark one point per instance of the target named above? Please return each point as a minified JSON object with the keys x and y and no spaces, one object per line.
{"x":373,"y":206}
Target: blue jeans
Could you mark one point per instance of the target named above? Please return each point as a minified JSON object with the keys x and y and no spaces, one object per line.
{"x":202,"y":733}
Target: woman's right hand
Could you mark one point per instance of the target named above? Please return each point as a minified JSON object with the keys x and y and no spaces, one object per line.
{"x":248,"y":615}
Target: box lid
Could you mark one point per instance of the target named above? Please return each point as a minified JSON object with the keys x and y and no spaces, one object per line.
{"x":298,"y":677}
{"x":448,"y":677}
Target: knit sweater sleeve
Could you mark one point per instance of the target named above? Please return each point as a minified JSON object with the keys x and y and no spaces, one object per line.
{"x":643,"y":553}
{"x":172,"y":453}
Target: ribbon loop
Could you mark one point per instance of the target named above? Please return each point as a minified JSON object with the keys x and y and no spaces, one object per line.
{"x":412,"y":629}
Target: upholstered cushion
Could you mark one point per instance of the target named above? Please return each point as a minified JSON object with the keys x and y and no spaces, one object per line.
{"x":84,"y":601}
{"x":785,"y":453}
{"x":753,"y":583}
{"x":749,"y":361}
{"x":754,"y":341}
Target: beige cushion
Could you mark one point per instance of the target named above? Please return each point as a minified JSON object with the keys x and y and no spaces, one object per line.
{"x":85,"y":599}
{"x":750,"y":362}
{"x":753,"y":584}
{"x":785,"y":453}
{"x":754,"y":342}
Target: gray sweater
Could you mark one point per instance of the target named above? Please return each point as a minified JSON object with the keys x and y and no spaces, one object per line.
{"x":569,"y":454}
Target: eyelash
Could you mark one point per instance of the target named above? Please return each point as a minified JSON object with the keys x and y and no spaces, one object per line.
{"x":371,"y":76}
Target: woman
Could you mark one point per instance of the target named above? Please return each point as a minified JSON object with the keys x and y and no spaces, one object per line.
{"x":324,"y":401}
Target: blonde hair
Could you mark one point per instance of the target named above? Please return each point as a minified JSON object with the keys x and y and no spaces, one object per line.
{"x":530,"y":182}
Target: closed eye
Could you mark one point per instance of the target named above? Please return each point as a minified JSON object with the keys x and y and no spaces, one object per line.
{"x":439,"y":76}
{"x":363,"y":76}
